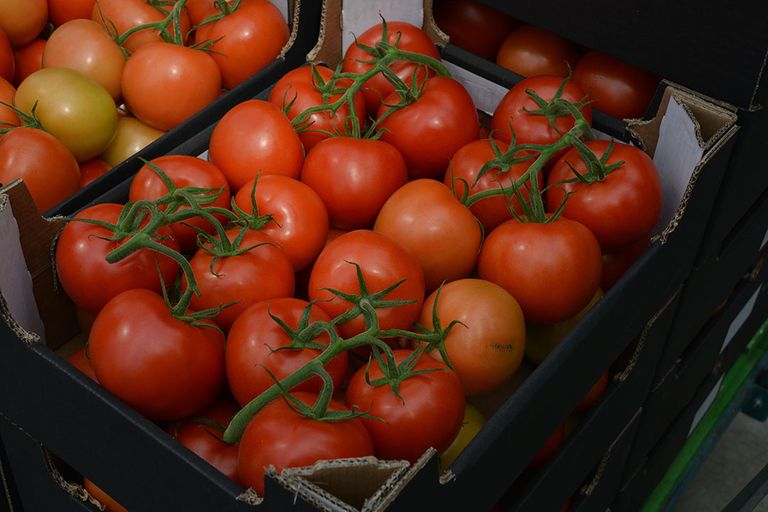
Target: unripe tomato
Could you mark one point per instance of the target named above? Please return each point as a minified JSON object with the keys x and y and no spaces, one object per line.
{"x":131,"y":136}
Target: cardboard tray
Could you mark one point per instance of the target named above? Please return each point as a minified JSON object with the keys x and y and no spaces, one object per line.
{"x":303,"y":19}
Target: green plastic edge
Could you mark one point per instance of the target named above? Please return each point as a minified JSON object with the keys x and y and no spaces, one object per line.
{"x":733,"y":383}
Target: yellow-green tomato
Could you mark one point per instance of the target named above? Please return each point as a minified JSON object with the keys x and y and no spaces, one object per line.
{"x":131,"y":137}
{"x":473,"y":422}
{"x":75,"y":109}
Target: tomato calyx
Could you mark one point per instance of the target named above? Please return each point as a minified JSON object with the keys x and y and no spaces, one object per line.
{"x":597,"y":168}
{"x":225,"y":9}
{"x":252,"y":220}
{"x":172,"y":34}
{"x":556,"y":107}
{"x":25,"y":120}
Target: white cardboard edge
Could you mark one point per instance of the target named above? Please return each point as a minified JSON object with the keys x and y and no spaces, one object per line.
{"x":15,"y":279}
{"x":359,"y":16}
{"x":740,"y":318}
{"x":283,"y":6}
{"x":705,"y":406}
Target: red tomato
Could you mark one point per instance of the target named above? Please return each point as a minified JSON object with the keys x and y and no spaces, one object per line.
{"x":464,"y":169}
{"x":594,"y":394}
{"x":298,"y":89}
{"x":261,"y":273}
{"x":246,"y":41}
{"x":281,"y":437}
{"x":549,"y":449}
{"x":62,"y":11}
{"x":618,"y":261}
{"x":183,"y":171}
{"x":299,"y":219}
{"x":206,"y":441}
{"x":110,"y":505}
{"x":126,"y":14}
{"x":164,"y":367}
{"x":84,"y":272}
{"x":552,"y":269}
{"x":164,"y":84}
{"x":7,"y":62}
{"x":473,"y":26}
{"x":28,"y":60}
{"x":617,"y":88}
{"x":531,"y":51}
{"x":383,"y":263}
{"x":427,"y":413}
{"x":198,"y":10}
{"x":92,"y":169}
{"x":47,"y":167}
{"x":409,"y":38}
{"x":425,"y":219}
{"x":487,"y":347}
{"x":354,"y":177}
{"x":7,"y":116}
{"x":620,"y":209}
{"x":532,"y":128}
{"x":429,"y":131}
{"x":80,"y":361}
{"x":254,"y":343}
{"x":255,"y":137}
{"x":23,"y":20}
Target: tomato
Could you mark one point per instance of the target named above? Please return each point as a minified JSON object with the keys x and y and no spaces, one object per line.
{"x":408,"y":38}
{"x":383,"y":263}
{"x":131,"y":136}
{"x":299,"y":219}
{"x":164,"y":84}
{"x":126,"y":14}
{"x":75,"y":109}
{"x":254,"y":346}
{"x":62,"y":11}
{"x":594,"y":394}
{"x":255,"y":137}
{"x":164,"y":367}
{"x":7,"y":61}
{"x":84,"y":45}
{"x":472,"y":424}
{"x":246,"y":41}
{"x":487,"y":347}
{"x":48,"y":169}
{"x":532,"y":51}
{"x":86,"y":276}
{"x":183,"y":171}
{"x":206,"y":441}
{"x":549,"y":449}
{"x":541,"y":339}
{"x":354,"y":177}
{"x":28,"y":60}
{"x":426,"y":219}
{"x":7,"y":116}
{"x":617,"y":88}
{"x":552,"y":269}
{"x":20,"y":28}
{"x":298,"y":89}
{"x":198,"y":10}
{"x":261,"y":273}
{"x":533,"y":128}
{"x":620,"y":209}
{"x":618,"y":261}
{"x":474,"y":26}
{"x":110,"y":505}
{"x":429,"y":131}
{"x":79,"y":360}
{"x":92,"y":169}
{"x":464,"y":169}
{"x":279,"y":436}
{"x":427,"y":413}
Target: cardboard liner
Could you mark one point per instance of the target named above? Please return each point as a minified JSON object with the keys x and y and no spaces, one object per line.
{"x":294,"y":8}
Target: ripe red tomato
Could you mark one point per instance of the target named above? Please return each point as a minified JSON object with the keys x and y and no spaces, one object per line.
{"x":532,"y":128}
{"x":549,"y":449}
{"x":110,"y":505}
{"x":532,"y":51}
{"x":426,"y":219}
{"x":79,"y":360}
{"x":246,"y":41}
{"x":487,"y":347}
{"x":429,"y":131}
{"x":428,"y":412}
{"x":7,"y":62}
{"x":354,"y":177}
{"x":92,"y":169}
{"x":23,"y":20}
{"x":164,"y":84}
{"x":473,"y":26}
{"x":618,"y":261}
{"x":62,"y":11}
{"x":254,"y":343}
{"x":206,"y":441}
{"x":281,"y":437}
{"x":255,"y":137}
{"x":383,"y":263}
{"x":164,"y":367}
{"x":620,"y":209}
{"x":552,"y":269}
{"x":298,"y":89}
{"x":86,"y":276}
{"x":617,"y":88}
{"x":183,"y":171}
{"x":410,"y":38}
{"x":594,"y":394}
{"x":28,"y":59}
{"x":48,"y":169}
{"x":126,"y":14}
{"x":7,"y":116}
{"x":198,"y":10}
